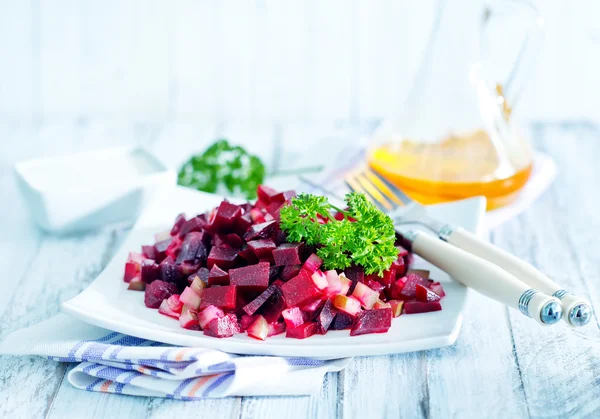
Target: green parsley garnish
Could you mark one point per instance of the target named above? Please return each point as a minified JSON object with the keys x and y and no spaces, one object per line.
{"x":223,"y":166}
{"x":367,"y":242}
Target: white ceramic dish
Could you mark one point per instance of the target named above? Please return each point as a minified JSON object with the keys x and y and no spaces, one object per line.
{"x":107,"y":302}
{"x":92,"y":189}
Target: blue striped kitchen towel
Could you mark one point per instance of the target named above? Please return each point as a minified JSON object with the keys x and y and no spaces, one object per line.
{"x":115,"y":363}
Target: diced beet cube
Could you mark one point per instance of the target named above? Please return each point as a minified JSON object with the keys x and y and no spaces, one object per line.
{"x":225,"y":216}
{"x":399,"y":266}
{"x":264,"y":230}
{"x":246,"y":321}
{"x":203,"y":274}
{"x":220,"y":297}
{"x":274,"y":306}
{"x":293,"y":317}
{"x":274,"y":272}
{"x":175,"y":303}
{"x":276,"y":329}
{"x":356,"y":275}
{"x":300,"y":290}
{"x":262,"y":248}
{"x":397,"y":286}
{"x":290,"y":271}
{"x":135,"y":257}
{"x":313,"y":263}
{"x":409,"y":290}
{"x":202,"y":253}
{"x":372,"y":321}
{"x":149,"y":252}
{"x":248,"y":255}
{"x":326,"y":316}
{"x":170,"y":272}
{"x":414,"y":307}
{"x":225,"y":258}
{"x":136,"y":284}
{"x":265,"y":193}
{"x":426,"y":295}
{"x":223,"y":327}
{"x":256,"y":213}
{"x":313,"y":309}
{"x":166,"y":310}
{"x":257,"y":303}
{"x":209,"y":314}
{"x":251,"y":278}
{"x":174,"y":247}
{"x":228,"y":240}
{"x":158,"y":291}
{"x":179,"y":221}
{"x":242,"y":223}
{"x":284,"y":196}
{"x":365,"y":295}
{"x":259,"y":329}
{"x":342,"y":321}
{"x":375,"y":286}
{"x":303,"y":331}
{"x":190,"y":298}
{"x":334,"y":285}
{"x":348,"y":305}
{"x":287,"y":254}
{"x":397,"y":306}
{"x":278,"y":282}
{"x":189,"y":320}
{"x":402,"y":251}
{"x":160,"y":248}
{"x":217,"y":276}
{"x":438,"y":289}
{"x":389,"y":277}
{"x":273,"y":208}
{"x":150,"y":271}
{"x":131,"y":270}
{"x":423,"y":273}
{"x":189,"y":247}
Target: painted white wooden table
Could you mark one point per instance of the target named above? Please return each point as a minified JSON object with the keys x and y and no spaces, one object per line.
{"x":503,"y":365}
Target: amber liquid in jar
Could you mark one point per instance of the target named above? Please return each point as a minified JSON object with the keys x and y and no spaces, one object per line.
{"x":456,"y":168}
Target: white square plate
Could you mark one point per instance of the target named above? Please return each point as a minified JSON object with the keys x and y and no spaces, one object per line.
{"x":107,"y":302}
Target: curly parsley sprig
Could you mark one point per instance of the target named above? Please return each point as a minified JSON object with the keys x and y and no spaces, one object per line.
{"x":368,"y":241}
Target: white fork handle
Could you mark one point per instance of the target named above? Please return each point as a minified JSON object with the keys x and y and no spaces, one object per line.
{"x":483,"y":276}
{"x":518,"y":268}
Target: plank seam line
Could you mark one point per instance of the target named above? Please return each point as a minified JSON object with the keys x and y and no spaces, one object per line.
{"x":65,"y":368}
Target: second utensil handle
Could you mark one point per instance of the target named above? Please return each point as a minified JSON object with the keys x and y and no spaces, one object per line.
{"x":481,"y":275}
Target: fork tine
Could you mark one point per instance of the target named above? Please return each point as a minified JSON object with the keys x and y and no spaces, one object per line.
{"x":375,"y":180}
{"x":355,"y":186}
{"x":373,"y":191}
{"x":393,"y":188}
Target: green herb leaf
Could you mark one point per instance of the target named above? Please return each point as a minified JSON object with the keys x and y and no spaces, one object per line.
{"x":368,"y":241}
{"x":223,"y":166}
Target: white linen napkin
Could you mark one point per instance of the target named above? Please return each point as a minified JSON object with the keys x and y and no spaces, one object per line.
{"x":111,"y":362}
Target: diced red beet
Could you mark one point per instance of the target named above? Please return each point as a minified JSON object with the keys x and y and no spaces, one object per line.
{"x":313,"y":263}
{"x":264,"y":230}
{"x":217,"y":276}
{"x":257,"y":215}
{"x":380,"y":304}
{"x":414,"y":307}
{"x":193,"y":224}
{"x":257,"y":303}
{"x":209,"y":314}
{"x":225,"y":258}
{"x":274,"y":272}
{"x":231,"y":240}
{"x":174,"y":247}
{"x":189,"y":320}
{"x":170,"y":272}
{"x":262,"y":248}
{"x":326,"y":316}
{"x":251,"y":278}
{"x":189,"y":268}
{"x":303,"y":331}
{"x":438,"y":289}
{"x":348,"y":305}
{"x":160,"y":248}
{"x":334,"y":285}
{"x":312,"y":310}
{"x":402,"y":251}
{"x":423,"y":273}
{"x":397,"y":306}
{"x":223,"y":327}
{"x":136,"y":284}
{"x":225,"y":216}
{"x":190,"y":298}
{"x":375,"y":286}
{"x":189,"y":247}
{"x":179,"y":221}
{"x":165,"y":309}
{"x":397,"y":286}
{"x":342,"y":321}
{"x":409,"y":290}
{"x":426,"y":295}
{"x":149,"y":252}
{"x":202,"y":273}
{"x":278,"y":282}
{"x":150,"y":271}
{"x":272,"y":309}
{"x":131,"y":270}
{"x":259,"y":329}
{"x":273,"y":208}
{"x":356,"y":275}
{"x":276,"y":328}
{"x":365,"y":295}
{"x":175,"y":303}
{"x":265,"y":193}
{"x":221,"y":297}
{"x":399,"y":266}
{"x":319,"y":279}
{"x":372,"y":321}
{"x":389,"y":277}
{"x":300,"y":290}
{"x":134,"y":257}
{"x":269,"y":217}
{"x":284,"y":196}
{"x":290,"y":271}
{"x":246,"y":321}
{"x":158,"y":291}
{"x":293,"y":317}
{"x":242,"y":223}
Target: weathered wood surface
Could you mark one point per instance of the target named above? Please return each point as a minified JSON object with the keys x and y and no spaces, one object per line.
{"x":503,"y":365}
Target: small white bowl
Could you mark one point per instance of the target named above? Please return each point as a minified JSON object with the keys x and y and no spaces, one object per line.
{"x":90,"y":190}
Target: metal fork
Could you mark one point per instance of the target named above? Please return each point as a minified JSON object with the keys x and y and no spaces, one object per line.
{"x":576,"y":311}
